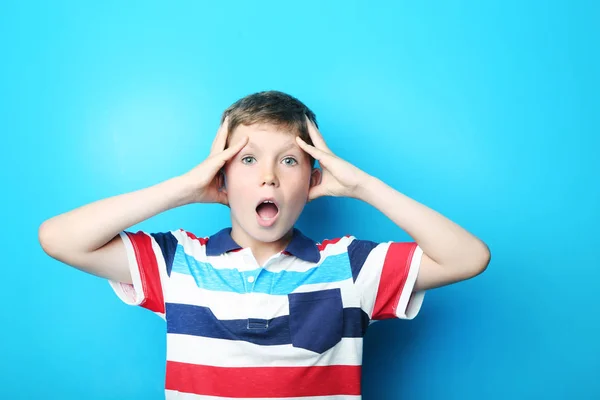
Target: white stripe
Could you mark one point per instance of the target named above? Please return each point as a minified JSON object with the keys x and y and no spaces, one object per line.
{"x":242,"y":260}
{"x":230,"y":305}
{"x":129,"y":294}
{"x":369,"y":277}
{"x":410,"y":303}
{"x":288,"y":263}
{"x":175,"y":395}
{"x":201,"y":350}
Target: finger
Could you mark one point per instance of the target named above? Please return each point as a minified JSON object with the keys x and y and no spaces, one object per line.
{"x":316,"y":136}
{"x":215,"y":162}
{"x":235,"y":148}
{"x":221,"y":138}
{"x":316,"y":153}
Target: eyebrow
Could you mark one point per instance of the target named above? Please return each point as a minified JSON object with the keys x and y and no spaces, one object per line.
{"x":292,"y":145}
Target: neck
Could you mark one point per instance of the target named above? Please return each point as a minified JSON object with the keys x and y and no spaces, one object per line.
{"x":262,"y":251}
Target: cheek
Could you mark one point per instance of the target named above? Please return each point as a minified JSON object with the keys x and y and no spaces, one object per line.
{"x":298,"y":185}
{"x":238,"y":180}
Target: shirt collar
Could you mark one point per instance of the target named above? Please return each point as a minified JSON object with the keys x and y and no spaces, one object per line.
{"x":300,"y":246}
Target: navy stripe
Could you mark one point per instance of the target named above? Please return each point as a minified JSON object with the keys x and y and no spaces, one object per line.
{"x":358,"y":251}
{"x":200,"y":321}
{"x":168,"y":246}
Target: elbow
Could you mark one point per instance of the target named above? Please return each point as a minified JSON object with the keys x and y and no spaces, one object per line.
{"x":46,"y":238}
{"x":482,"y":258}
{"x":475,"y":263}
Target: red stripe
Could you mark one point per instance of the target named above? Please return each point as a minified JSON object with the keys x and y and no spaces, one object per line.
{"x":264,"y":381}
{"x":393,"y":278}
{"x":149,"y":273}
{"x":322,"y":246}
{"x":193,"y":237}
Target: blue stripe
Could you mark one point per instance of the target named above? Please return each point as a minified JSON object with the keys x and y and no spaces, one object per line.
{"x":358,"y":251}
{"x":168,"y":246}
{"x":200,"y":321}
{"x":333,"y":269}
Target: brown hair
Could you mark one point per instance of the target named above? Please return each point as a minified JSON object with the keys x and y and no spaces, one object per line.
{"x":271,"y":107}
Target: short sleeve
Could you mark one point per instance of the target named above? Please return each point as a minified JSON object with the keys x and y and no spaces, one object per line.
{"x":385,"y":275}
{"x":150,"y":257}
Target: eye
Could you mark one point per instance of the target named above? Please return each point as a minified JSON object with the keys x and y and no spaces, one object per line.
{"x":290,"y":161}
{"x":248,"y":160}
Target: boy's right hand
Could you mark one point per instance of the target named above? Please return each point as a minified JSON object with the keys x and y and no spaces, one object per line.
{"x":88,"y":237}
{"x":206,"y":180}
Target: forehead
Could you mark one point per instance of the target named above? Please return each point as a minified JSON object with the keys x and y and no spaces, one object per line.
{"x":264,"y":134}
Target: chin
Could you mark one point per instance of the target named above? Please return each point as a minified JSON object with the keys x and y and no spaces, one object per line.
{"x":269,"y":235}
{"x":264,"y":234}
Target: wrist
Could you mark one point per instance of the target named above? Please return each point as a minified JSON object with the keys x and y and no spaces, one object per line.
{"x":366,"y":187}
{"x":182,"y":190}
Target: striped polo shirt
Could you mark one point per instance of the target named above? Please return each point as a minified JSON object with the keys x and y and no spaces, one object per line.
{"x":292,"y":328}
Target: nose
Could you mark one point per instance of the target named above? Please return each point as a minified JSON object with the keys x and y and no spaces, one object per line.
{"x":269,"y":178}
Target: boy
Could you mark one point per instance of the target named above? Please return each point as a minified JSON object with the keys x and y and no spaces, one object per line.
{"x":259,"y":310}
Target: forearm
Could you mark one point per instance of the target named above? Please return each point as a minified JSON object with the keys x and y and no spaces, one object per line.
{"x":441,"y":239}
{"x":91,"y":226}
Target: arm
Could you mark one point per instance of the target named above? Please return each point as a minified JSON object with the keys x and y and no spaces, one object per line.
{"x":450,"y":253}
{"x":88,"y":237}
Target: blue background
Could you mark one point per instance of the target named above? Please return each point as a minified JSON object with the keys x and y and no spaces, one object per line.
{"x":484,"y":111}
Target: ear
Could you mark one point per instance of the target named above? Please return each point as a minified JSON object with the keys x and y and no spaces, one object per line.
{"x":315,"y":177}
{"x":221,"y":181}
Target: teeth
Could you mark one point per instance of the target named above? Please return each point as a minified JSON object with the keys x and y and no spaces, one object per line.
{"x":267,"y":201}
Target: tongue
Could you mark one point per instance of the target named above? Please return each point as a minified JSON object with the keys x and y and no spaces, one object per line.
{"x":267,"y":210}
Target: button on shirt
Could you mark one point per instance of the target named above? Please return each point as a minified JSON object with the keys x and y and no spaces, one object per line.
{"x":290,"y":329}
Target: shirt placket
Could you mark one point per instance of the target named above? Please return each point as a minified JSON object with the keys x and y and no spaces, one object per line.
{"x":250,"y":280}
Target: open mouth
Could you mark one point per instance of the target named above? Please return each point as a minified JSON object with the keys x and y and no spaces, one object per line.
{"x":267,"y":211}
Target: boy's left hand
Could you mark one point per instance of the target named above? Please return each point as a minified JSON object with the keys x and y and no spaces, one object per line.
{"x":339,"y":177}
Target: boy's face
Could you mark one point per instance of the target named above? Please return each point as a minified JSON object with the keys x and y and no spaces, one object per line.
{"x":267,"y":182}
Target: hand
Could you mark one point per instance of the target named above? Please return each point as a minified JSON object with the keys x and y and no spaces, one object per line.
{"x":205,"y":180}
{"x":339,"y":177}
